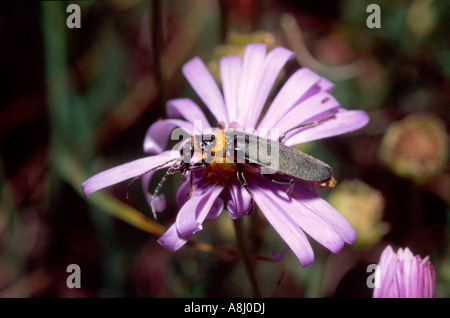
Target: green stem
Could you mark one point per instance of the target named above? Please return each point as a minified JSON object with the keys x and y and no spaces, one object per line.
{"x":238,"y":227}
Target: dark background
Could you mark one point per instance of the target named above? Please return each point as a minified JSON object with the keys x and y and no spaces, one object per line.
{"x":74,"y":102}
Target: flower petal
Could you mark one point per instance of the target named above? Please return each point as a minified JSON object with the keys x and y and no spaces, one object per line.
{"x":196,"y":209}
{"x":278,"y":256}
{"x":272,"y":66}
{"x":190,"y":111}
{"x":127,"y":171}
{"x":303,"y":112}
{"x":215,"y":210}
{"x":170,"y":240}
{"x":291,"y":93}
{"x":230,"y":72}
{"x":385,"y":273}
{"x":310,"y":199}
{"x":429,"y":281}
{"x":159,"y":132}
{"x":240,"y":203}
{"x":252,"y":64}
{"x":205,"y":86}
{"x":326,"y":85}
{"x":284,"y":225}
{"x":307,"y":219}
{"x":193,"y":213}
{"x":183,"y":191}
{"x":345,"y":121}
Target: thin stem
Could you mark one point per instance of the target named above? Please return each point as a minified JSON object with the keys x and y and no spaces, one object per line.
{"x":223,"y":21}
{"x":238,"y":227}
{"x":157,"y":43}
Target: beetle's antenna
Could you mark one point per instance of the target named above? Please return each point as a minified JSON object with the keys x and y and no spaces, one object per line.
{"x":152,"y":169}
{"x":155,"y":194}
{"x":311,"y":124}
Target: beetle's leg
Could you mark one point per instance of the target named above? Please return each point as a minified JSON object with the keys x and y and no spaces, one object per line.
{"x":221,"y":125}
{"x":172,"y":169}
{"x":311,"y":124}
{"x":290,"y":182}
{"x":152,"y":169}
{"x":243,"y":181}
{"x":191,"y":187}
{"x":191,"y":167}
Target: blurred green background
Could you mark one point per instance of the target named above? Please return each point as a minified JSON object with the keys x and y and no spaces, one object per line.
{"x":77,"y":101}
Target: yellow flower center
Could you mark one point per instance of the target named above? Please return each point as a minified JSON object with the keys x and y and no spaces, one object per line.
{"x":221,"y":171}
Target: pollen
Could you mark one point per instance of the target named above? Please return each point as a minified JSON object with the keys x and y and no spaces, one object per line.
{"x":219,"y":149}
{"x":220,"y":170}
{"x":223,"y":173}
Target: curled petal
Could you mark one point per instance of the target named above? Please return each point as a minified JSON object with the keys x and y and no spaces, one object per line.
{"x":196,"y":209}
{"x":240,"y":203}
{"x":159,"y":132}
{"x":171,"y":240}
{"x":345,"y":121}
{"x":216,"y":209}
{"x":205,"y":86}
{"x":191,"y":216}
{"x":127,"y":171}
{"x":278,"y":256}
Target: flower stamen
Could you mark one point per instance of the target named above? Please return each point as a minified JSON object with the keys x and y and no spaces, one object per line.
{"x":220,"y":170}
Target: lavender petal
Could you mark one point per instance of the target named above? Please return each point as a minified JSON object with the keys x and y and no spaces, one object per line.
{"x":345,"y":121}
{"x":126,"y":171}
{"x":191,"y":216}
{"x":272,"y":66}
{"x":285,"y":226}
{"x":159,"y":132}
{"x":190,"y":111}
{"x":252,"y":62}
{"x":230,"y":72}
{"x":290,"y":94}
{"x":306,"y":218}
{"x":328,"y":213}
{"x":205,"y":86}
{"x":194,"y":212}
{"x":170,"y":240}
{"x":240,"y":202}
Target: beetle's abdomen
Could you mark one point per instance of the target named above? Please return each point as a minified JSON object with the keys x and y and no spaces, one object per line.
{"x":274,"y":157}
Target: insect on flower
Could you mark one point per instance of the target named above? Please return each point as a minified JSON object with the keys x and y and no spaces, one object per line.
{"x":281,"y":163}
{"x":246,"y":160}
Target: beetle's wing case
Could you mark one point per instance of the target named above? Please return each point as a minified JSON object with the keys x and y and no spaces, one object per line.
{"x":248,"y":148}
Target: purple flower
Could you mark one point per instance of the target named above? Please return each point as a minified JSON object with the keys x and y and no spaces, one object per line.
{"x":404,"y":275}
{"x":246,"y":84}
